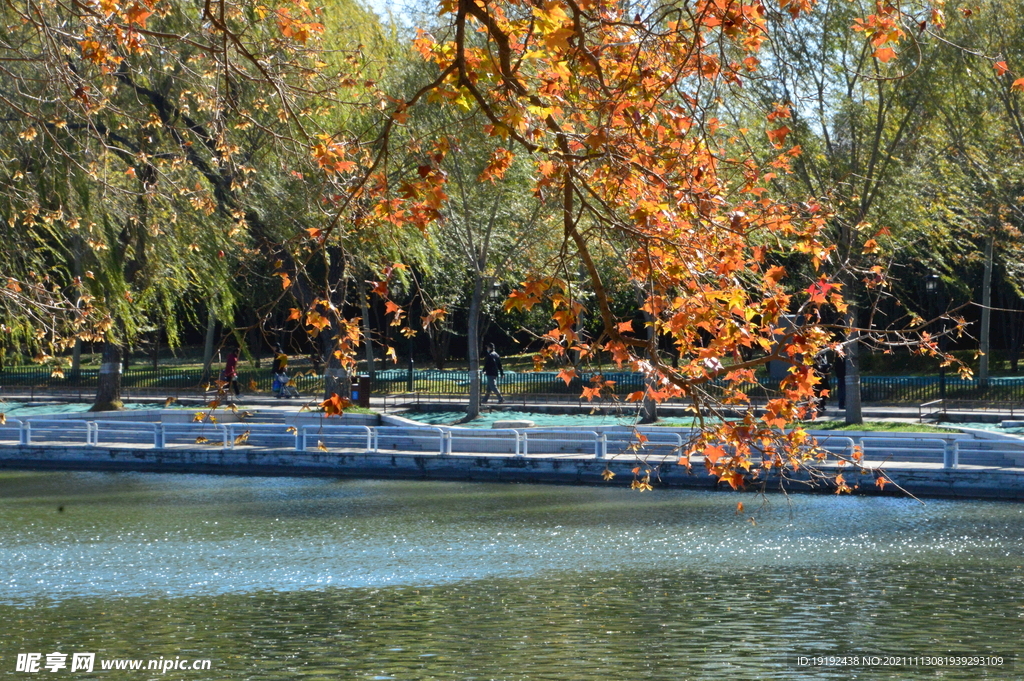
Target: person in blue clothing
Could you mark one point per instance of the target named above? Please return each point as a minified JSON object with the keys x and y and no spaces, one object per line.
{"x":492,"y":369}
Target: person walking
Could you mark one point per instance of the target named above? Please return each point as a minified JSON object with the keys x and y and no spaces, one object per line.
{"x":492,"y":369}
{"x":230,"y":373}
{"x":280,"y":365}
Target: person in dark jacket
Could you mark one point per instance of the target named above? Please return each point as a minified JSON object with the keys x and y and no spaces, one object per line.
{"x":492,"y":369}
{"x":230,"y":373}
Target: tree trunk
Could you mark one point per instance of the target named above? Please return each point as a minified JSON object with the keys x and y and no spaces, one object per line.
{"x":986,"y":312}
{"x":108,"y":389}
{"x":254,"y":338}
{"x":337,"y":379}
{"x":76,"y":361}
{"x":364,"y":310}
{"x":473,"y":348}
{"x":155,"y":357}
{"x":649,"y":408}
{"x":853,"y":407}
{"x":211,"y":335}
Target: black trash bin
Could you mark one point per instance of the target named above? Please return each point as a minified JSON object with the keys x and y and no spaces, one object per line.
{"x":361,"y":391}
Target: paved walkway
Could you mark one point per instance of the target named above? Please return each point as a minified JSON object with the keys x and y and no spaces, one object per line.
{"x":910,"y":413}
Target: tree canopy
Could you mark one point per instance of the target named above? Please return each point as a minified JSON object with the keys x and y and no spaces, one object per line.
{"x":746,"y":171}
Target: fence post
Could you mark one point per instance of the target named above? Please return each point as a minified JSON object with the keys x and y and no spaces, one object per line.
{"x":159,"y":440}
{"x":601,"y":446}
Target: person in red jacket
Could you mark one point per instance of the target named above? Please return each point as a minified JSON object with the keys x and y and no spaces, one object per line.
{"x":230,"y":373}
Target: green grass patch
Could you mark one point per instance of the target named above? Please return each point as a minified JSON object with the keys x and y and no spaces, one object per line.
{"x":869,"y":426}
{"x":873,"y":426}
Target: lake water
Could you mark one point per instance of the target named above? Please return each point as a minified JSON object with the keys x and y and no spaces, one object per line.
{"x":289,"y":578}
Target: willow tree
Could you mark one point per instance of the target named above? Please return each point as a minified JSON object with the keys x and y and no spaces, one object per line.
{"x":173,"y":125}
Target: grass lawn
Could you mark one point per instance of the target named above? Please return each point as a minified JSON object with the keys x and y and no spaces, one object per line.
{"x":874,"y":426}
{"x":871,"y":426}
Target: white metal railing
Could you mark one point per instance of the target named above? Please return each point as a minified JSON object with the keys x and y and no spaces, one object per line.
{"x":479,"y":441}
{"x":441,"y":441}
{"x":559,"y":440}
{"x":359,"y":435}
{"x":58,"y":430}
{"x":940,"y":449}
{"x":125,"y":432}
{"x":215,"y":434}
{"x":12,"y":430}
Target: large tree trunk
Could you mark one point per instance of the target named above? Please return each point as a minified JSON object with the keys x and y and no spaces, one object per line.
{"x":337,"y":379}
{"x":649,"y":407}
{"x":853,"y":407}
{"x":108,"y":390}
{"x":211,"y":335}
{"x":364,"y":310}
{"x":986,"y":312}
{"x":473,"y":348}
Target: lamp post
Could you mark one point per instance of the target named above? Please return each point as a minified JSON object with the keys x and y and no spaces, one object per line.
{"x":933,"y":287}
{"x":495,"y":291}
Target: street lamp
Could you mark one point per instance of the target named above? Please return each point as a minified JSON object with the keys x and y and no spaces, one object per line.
{"x":494,"y":293}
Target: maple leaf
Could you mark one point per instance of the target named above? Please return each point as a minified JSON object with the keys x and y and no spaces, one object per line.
{"x":137,"y":14}
{"x":1018,"y":85}
{"x":293,"y":314}
{"x":201,"y":440}
{"x":499,"y":163}
{"x":774,"y":275}
{"x":778,"y":136}
{"x":335,"y":405}
{"x":818,"y":291}
{"x":1000,"y":67}
{"x":735,"y":480}
{"x":591,"y":393}
{"x":881,"y":482}
{"x":885,"y":54}
{"x":567,"y":375}
{"x":713,"y":454}
{"x":242,"y":439}
{"x":607,"y":474}
{"x":625,"y":327}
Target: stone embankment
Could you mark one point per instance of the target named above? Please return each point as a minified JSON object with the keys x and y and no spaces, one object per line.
{"x":975,"y":464}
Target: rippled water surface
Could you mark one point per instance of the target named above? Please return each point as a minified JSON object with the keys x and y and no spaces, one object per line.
{"x":293,"y":578}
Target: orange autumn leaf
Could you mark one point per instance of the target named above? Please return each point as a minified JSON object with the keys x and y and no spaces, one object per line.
{"x":774,"y":275}
{"x":778,"y":136}
{"x":713,"y":454}
{"x":335,"y":405}
{"x":885,"y":54}
{"x":1000,"y":67}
